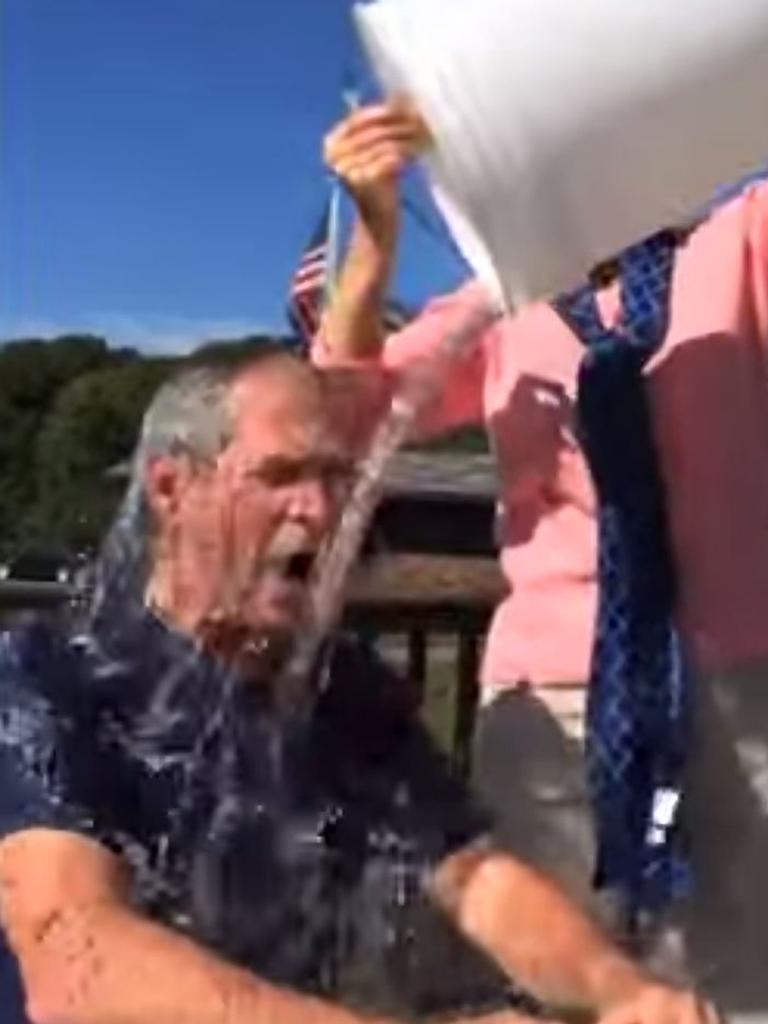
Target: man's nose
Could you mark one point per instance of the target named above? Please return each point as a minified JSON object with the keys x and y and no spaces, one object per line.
{"x":311,"y":502}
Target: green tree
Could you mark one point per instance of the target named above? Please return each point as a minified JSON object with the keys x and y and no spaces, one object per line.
{"x":92,"y":426}
{"x":69,"y":410}
{"x":32,"y":372}
{"x":236,"y":347}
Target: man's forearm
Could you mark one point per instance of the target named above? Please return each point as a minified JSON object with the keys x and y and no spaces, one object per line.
{"x":535,"y":933}
{"x":109,"y":966}
{"x":352,"y":326}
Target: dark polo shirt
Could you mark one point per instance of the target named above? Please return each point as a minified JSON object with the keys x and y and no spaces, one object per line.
{"x":295,"y":845}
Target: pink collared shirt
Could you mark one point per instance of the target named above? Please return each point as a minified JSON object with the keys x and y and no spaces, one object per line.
{"x":709,"y":397}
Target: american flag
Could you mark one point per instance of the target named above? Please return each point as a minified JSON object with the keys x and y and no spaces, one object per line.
{"x":309,"y":283}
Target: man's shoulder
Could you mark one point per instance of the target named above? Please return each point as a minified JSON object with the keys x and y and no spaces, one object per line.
{"x":447,"y":312}
{"x":755,"y":206}
{"x":45,"y":714}
{"x":31,"y":652}
{"x":456,"y":303}
{"x":42,"y":734}
{"x":752,"y":188}
{"x":739,"y":210}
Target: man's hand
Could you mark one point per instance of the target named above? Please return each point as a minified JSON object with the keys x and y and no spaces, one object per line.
{"x":654,"y":1004}
{"x":369,"y":149}
{"x":547,"y":944}
{"x":660,"y":1004}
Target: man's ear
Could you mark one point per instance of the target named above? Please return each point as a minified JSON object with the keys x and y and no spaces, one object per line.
{"x":165,"y":482}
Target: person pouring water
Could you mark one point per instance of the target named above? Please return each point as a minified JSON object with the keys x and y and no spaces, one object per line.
{"x":705,"y":397}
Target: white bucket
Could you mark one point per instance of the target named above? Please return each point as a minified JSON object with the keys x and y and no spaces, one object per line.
{"x":567,"y":129}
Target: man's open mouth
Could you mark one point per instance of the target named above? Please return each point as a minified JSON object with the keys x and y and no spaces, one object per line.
{"x":298,"y":566}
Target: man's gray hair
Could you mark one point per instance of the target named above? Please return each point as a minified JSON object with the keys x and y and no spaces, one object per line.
{"x":191,"y":414}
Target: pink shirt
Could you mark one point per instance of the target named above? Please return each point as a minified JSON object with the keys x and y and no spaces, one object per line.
{"x":709,"y":395}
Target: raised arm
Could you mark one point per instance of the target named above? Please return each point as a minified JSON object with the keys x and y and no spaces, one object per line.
{"x":368,"y":150}
{"x":545,"y":943}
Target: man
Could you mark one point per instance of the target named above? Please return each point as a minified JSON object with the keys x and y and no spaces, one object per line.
{"x":181,"y":841}
{"x":707,"y":394}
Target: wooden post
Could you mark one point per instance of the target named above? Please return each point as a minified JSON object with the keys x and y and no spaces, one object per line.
{"x":417,"y":659}
{"x":466,"y":697}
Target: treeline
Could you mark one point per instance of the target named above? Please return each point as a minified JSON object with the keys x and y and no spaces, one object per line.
{"x":69,"y":413}
{"x":70,"y":409}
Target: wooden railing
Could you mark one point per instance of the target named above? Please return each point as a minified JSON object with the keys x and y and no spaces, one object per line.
{"x":439,"y":509}
{"x":458,"y":627}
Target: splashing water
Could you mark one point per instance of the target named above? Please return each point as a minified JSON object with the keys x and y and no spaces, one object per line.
{"x":245,"y":810}
{"x":418,"y":388}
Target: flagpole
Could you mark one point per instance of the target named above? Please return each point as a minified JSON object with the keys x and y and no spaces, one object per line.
{"x":351,"y":100}
{"x":333,"y":240}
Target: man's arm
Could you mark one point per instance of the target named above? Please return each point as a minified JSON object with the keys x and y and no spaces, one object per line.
{"x":368,"y":151}
{"x":87,"y":958}
{"x":549,"y":946}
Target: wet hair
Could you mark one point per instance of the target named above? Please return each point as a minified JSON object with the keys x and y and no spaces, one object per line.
{"x":191,"y":414}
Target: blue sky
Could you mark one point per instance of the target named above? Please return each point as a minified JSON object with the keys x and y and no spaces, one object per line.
{"x":161,"y":164}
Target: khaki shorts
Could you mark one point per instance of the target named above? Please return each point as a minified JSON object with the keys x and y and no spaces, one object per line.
{"x":722,"y":931}
{"x":529,"y":769}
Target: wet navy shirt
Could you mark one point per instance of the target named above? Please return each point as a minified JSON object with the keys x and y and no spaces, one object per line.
{"x":296,"y":845}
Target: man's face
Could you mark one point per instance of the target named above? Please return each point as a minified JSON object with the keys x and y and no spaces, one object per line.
{"x":239,"y":539}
